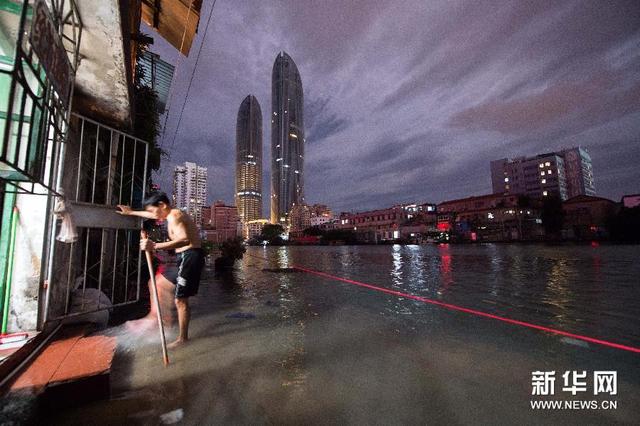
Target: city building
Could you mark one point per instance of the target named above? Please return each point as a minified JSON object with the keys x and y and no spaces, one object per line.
{"x":249,"y":160}
{"x":320,"y":220}
{"x":299,"y":219}
{"x":564,"y":174}
{"x":206,"y":216}
{"x":287,"y":138}
{"x":224,"y":223}
{"x":631,"y":201}
{"x":375,"y":225}
{"x":253,"y":228}
{"x":190,"y":189}
{"x":320,"y":214}
{"x":585,"y":217}
{"x":157,"y":75}
{"x":321,"y":210}
{"x":492,"y":217}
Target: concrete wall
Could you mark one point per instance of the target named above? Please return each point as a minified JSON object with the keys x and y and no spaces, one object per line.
{"x":25,"y":285}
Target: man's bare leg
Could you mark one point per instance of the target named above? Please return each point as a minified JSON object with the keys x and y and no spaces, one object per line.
{"x":184,"y":314}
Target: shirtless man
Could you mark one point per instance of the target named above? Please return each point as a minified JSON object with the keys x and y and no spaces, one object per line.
{"x":184,"y":238}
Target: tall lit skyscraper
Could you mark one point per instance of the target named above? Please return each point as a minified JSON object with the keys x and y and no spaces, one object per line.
{"x":249,"y":160}
{"x":190,"y":189}
{"x":287,"y":138}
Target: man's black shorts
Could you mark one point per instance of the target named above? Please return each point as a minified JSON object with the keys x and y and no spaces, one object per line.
{"x":186,"y":274}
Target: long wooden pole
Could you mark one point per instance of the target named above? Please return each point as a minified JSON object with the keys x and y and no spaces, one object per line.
{"x":154,"y":294}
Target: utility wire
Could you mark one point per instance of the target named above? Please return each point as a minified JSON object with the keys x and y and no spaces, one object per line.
{"x":193,"y":72}
{"x":175,"y":74}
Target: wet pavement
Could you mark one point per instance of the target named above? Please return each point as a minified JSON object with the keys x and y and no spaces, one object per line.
{"x":275,"y":346}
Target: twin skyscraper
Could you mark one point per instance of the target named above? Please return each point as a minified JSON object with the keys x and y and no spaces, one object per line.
{"x":287,"y":146}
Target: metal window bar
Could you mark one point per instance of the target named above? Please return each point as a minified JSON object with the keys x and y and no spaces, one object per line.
{"x":33,"y":107}
{"x":111,"y":169}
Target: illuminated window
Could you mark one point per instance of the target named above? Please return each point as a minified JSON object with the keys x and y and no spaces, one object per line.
{"x":544,"y":181}
{"x":544,"y":193}
{"x":541,"y":165}
{"x":549,"y":172}
{"x":542,"y":173}
{"x":506,"y":179}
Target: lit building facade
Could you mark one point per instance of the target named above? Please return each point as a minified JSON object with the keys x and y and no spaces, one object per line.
{"x":375,"y":225}
{"x":491,"y":217}
{"x":253,"y":228}
{"x":565,"y":174}
{"x":206,"y":217}
{"x":190,"y":189}
{"x":287,"y":138}
{"x":224,"y":223}
{"x":579,"y":172}
{"x":249,"y":160}
{"x":299,"y":219}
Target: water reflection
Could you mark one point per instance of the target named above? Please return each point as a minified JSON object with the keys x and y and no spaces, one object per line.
{"x":396,"y":271}
{"x":282,"y":257}
{"x":566,"y":287}
{"x":446,"y":272}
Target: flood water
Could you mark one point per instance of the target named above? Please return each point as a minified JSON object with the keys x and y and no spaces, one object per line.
{"x":581,"y":289}
{"x":278,"y":346}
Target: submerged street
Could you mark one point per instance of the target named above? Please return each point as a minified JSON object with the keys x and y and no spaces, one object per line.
{"x":274,"y":346}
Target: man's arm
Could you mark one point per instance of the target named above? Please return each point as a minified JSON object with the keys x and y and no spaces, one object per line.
{"x":127,"y":211}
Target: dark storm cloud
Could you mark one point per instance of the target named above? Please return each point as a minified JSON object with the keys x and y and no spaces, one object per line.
{"x":411,"y":100}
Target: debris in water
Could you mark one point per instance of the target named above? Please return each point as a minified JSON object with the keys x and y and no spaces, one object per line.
{"x":172,"y":417}
{"x":576,"y":342}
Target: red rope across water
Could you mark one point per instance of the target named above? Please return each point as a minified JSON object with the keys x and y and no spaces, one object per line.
{"x":467,"y":310}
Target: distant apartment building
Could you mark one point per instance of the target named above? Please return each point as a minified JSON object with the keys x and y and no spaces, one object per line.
{"x":585,"y":217}
{"x":224,"y":223}
{"x":206,"y":216}
{"x":320,"y":220}
{"x":190,"y":189}
{"x":253,"y":228}
{"x":565,"y":174}
{"x":492,"y":217}
{"x":321,"y":210}
{"x":299,"y":219}
{"x":375,"y":225}
{"x":320,"y":214}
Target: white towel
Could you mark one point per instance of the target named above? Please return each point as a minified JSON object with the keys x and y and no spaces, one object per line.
{"x":68,"y":232}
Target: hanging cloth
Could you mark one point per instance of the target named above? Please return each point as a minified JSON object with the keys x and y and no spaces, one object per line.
{"x":68,"y":232}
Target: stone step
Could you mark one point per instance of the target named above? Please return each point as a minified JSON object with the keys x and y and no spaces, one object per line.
{"x":73,"y":368}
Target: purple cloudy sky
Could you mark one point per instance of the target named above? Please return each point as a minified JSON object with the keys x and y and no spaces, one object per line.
{"x":410,"y":100}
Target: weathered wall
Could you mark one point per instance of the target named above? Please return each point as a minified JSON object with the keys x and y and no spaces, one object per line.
{"x":23,"y":308}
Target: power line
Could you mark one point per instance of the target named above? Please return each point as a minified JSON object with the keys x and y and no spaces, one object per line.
{"x":175,"y":75}
{"x":193,"y":72}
